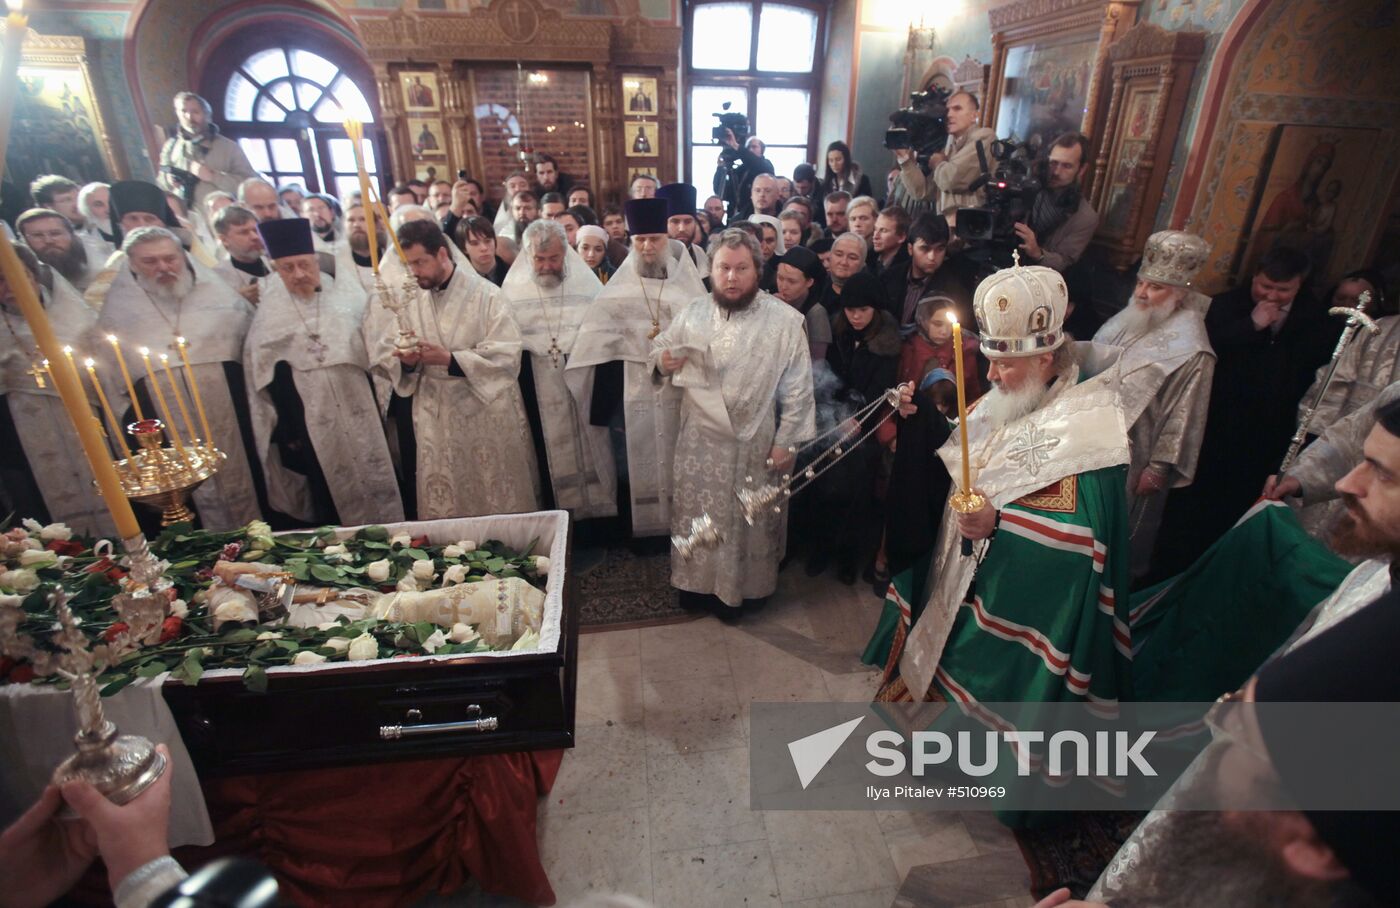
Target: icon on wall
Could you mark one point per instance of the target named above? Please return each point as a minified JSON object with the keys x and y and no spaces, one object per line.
{"x":639,"y":95}
{"x":420,"y":91}
{"x":426,"y":136}
{"x":641,"y":140}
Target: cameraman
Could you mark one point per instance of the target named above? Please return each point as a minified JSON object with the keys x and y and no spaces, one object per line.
{"x":954,"y":169}
{"x":734,"y":176}
{"x":197,"y":160}
{"x":1060,"y":214}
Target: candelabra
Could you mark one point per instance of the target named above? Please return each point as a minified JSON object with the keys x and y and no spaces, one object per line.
{"x":407,"y":338}
{"x":164,"y":477}
{"x":838,"y":442}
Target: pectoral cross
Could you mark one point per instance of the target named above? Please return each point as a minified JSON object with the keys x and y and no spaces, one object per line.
{"x":38,"y":372}
{"x":655,"y":329}
{"x":555,"y":351}
{"x":317,"y":348}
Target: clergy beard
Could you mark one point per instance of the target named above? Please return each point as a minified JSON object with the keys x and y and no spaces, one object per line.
{"x":71,"y":264}
{"x":548,"y":280}
{"x":1198,"y":852}
{"x":652,"y":270}
{"x":168,"y":293}
{"x":737,"y":305}
{"x":1003,"y":407}
{"x":1355,"y":535}
{"x":1136,"y":320}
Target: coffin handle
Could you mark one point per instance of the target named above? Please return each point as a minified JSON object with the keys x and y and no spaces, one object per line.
{"x":479,"y":724}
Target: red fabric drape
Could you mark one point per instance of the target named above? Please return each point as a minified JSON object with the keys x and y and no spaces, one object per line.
{"x":387,"y":834}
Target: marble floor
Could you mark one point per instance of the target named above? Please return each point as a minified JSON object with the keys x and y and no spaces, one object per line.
{"x":654,"y":802}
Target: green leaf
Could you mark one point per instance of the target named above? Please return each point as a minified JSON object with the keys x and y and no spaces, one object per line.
{"x":530,"y":546}
{"x":416,"y":554}
{"x":238,"y":634}
{"x":192,"y":669}
{"x":373,"y":534}
{"x":299,"y":570}
{"x":290,"y":646}
{"x":255,"y":679}
{"x":151,"y":669}
{"x":496,"y":565}
{"x":325,"y":573}
{"x":115,"y":685}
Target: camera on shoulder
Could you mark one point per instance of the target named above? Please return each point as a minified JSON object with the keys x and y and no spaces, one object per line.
{"x":922,"y":126}
{"x":1010,"y":190}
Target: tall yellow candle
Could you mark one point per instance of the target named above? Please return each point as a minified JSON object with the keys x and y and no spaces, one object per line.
{"x":70,"y":390}
{"x":160,"y":401}
{"x":356,"y":131}
{"x":962,"y":401}
{"x":392,"y":235}
{"x":16,"y":25}
{"x":126,"y":376}
{"x":194,"y":391}
{"x":179,"y":398}
{"x":113,"y":424}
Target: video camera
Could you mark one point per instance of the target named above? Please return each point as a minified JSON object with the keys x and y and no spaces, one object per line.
{"x":734,"y":122}
{"x":922,"y":126}
{"x":185,"y":180}
{"x":1010,"y":192}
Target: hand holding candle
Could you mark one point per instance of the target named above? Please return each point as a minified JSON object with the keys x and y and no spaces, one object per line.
{"x":965,"y":501}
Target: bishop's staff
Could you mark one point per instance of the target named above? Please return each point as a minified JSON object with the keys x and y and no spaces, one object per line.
{"x":1356,"y":318}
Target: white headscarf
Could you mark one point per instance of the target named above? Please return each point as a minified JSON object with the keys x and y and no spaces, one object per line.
{"x":777,"y":225}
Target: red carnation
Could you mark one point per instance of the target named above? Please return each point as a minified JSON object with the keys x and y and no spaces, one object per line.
{"x":21,"y":674}
{"x":112,"y":632}
{"x":419,"y":542}
{"x":231,"y":551}
{"x":171,"y":628}
{"x":65,"y":547}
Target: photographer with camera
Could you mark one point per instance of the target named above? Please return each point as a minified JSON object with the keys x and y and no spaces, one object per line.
{"x":738,"y":165}
{"x":952,"y":171}
{"x":1061,"y":221}
{"x":197,"y":160}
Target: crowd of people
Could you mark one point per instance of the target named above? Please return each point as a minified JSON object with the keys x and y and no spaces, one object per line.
{"x":640,"y":364}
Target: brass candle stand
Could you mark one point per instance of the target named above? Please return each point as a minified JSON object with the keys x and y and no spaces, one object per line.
{"x":407,"y":338}
{"x":162,"y":476}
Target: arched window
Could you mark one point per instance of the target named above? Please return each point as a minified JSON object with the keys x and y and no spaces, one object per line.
{"x":286,"y":105}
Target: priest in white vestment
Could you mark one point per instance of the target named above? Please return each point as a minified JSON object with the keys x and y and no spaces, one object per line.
{"x":157,"y":296}
{"x":547,"y":291}
{"x":740,"y":358}
{"x":244,"y":266}
{"x":319,"y":434}
{"x":614,"y":341}
{"x":474,"y":454}
{"x":1166,"y":370}
{"x":43,"y":472}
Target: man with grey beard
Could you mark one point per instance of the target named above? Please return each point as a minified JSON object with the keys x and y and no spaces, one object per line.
{"x":59,"y":246}
{"x":1167,"y":367}
{"x":547,"y":291}
{"x":157,"y":297}
{"x":1045,"y":539}
{"x":614,"y":341}
{"x":740,"y":358}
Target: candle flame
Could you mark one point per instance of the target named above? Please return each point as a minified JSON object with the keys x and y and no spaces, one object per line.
{"x":144,"y":351}
{"x":112,"y":339}
{"x":180,"y":341}
{"x":952,"y":316}
{"x":67,"y":350}
{"x":15,"y":6}
{"x":164,"y":357}
{"x":89,"y":362}
{"x":46,"y":364}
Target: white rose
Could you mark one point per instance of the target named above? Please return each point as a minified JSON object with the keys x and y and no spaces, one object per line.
{"x":339,"y":644}
{"x":307,"y":657}
{"x":528,"y":640}
{"x":437,"y":639}
{"x":58,"y":531}
{"x":453,"y":551}
{"x":456,"y":573}
{"x":343,"y":557}
{"x":423,"y":570}
{"x":179,"y":608}
{"x":234,"y":608}
{"x":328,"y":625}
{"x":270,"y":635}
{"x":37,"y":558}
{"x":468,"y":545}
{"x":21,"y":581}
{"x":378,"y":571}
{"x":335,"y":549}
{"x":363,"y":647}
{"x":541,"y":564}
{"x":463,"y":633}
{"x":407,"y":584}
{"x":401,"y":539}
{"x":32,"y":525}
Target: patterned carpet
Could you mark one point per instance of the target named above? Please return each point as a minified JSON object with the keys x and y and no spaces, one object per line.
{"x":1074,"y":853}
{"x":618,"y":588}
